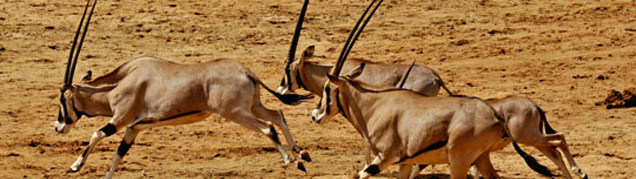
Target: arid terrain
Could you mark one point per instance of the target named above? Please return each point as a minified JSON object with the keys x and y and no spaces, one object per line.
{"x":565,"y":55}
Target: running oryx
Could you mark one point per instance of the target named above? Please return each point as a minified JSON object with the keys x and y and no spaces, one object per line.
{"x":150,"y":92}
{"x":526,"y":122}
{"x":311,"y":76}
{"x":405,"y":128}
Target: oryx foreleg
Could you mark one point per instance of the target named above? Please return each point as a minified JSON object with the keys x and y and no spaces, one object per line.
{"x":98,"y":135}
{"x":380,"y":163}
{"x":125,"y":144}
{"x":484,"y":166}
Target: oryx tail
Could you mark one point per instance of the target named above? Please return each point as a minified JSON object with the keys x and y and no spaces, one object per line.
{"x":290,"y":99}
{"x":530,"y":161}
{"x":548,"y":128}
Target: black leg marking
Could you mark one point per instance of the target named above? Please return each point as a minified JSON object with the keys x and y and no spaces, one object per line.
{"x":274,"y":134}
{"x":109,"y":129}
{"x":123,"y":148}
{"x":422,"y":166}
{"x":85,"y":152}
{"x":372,"y":169}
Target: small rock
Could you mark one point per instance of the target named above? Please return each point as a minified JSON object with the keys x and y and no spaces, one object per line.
{"x":49,"y":27}
{"x":12,"y":154}
{"x":602,"y":77}
{"x":34,"y":143}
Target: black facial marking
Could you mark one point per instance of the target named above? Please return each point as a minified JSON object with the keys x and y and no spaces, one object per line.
{"x":109,"y":129}
{"x":63,"y":102}
{"x":123,"y":148}
{"x":372,"y":169}
{"x":59,"y":116}
{"x":288,"y":77}
{"x":328,"y":91}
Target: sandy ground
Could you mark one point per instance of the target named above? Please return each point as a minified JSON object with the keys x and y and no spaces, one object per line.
{"x":551,"y":51}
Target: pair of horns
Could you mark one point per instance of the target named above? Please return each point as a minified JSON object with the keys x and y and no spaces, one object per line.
{"x":355,"y":33}
{"x":70,"y":69}
{"x":292,"y":49}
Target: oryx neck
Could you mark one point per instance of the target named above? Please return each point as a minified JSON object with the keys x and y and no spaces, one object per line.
{"x":313,"y":77}
{"x":93,"y":101}
{"x":350,"y":102}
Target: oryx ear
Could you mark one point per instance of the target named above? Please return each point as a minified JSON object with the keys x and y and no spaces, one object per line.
{"x":88,"y":77}
{"x":309,"y":52}
{"x":356,"y":71}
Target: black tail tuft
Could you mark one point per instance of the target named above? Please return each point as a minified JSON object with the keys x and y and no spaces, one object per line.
{"x":289,"y":99}
{"x":548,"y":128}
{"x":292,"y":99}
{"x":532,"y":162}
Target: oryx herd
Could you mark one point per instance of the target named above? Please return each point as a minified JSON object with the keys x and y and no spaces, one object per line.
{"x":394,"y":108}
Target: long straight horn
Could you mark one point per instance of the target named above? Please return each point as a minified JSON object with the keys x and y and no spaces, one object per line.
{"x":360,"y":31}
{"x":292,"y":49}
{"x":79,"y":48}
{"x":351,"y":39}
{"x":70,"y":56}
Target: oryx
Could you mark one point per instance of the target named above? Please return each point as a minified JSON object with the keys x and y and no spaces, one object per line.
{"x":311,"y":76}
{"x":526,"y":122}
{"x":405,"y":128}
{"x":149,"y":92}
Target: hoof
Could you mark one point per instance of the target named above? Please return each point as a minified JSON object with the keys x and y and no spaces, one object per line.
{"x":71,"y":170}
{"x":355,"y":176}
{"x":301,"y":166}
{"x":305,"y":156}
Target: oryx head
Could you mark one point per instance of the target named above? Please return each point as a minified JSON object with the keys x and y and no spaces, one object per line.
{"x":68,"y":113}
{"x":331,"y":102}
{"x":290,"y":81}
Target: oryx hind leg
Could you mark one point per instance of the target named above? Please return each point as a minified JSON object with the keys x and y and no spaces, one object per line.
{"x":277,"y":117}
{"x":573,"y":166}
{"x":123,"y":148}
{"x":250,"y":121}
{"x":559,"y":141}
{"x":555,"y":156}
{"x":98,"y":135}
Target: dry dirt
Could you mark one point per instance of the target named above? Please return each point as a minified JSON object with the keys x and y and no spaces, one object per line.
{"x":554,"y":52}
